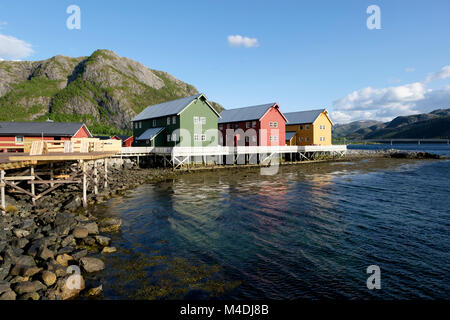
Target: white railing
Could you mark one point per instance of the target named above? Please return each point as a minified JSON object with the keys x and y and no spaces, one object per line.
{"x":220,"y":150}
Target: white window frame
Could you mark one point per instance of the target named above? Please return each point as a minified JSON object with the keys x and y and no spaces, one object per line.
{"x":271,"y":124}
{"x":203,"y":120}
{"x":140,"y":124}
{"x":168,"y":120}
{"x":196,"y":121}
{"x":229,"y":126}
{"x":203,"y":137}
{"x":154,"y":122}
{"x":247,"y":139}
{"x":275,"y":138}
{"x":254,"y":124}
{"x":19,"y":142}
{"x":254,"y":138}
{"x":196,"y":137}
{"x":174,"y":119}
{"x":168,"y":138}
{"x":174,"y":136}
{"x":247,"y":125}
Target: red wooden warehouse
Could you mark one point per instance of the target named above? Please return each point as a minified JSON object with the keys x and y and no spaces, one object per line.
{"x":261,"y":125}
{"x":127,"y":141}
{"x":14,"y":135}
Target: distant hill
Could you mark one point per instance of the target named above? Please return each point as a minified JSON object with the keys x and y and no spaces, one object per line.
{"x":103,"y":90}
{"x":433,"y":125}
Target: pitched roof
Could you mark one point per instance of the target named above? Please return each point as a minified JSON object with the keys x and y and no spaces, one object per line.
{"x":289,"y":135}
{"x":122,"y":137}
{"x":47,"y":129}
{"x":303,"y":116}
{"x":245,"y":114}
{"x":149,"y":134}
{"x":169,"y":108}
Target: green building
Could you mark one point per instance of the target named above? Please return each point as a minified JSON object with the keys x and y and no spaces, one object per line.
{"x":185,"y":122}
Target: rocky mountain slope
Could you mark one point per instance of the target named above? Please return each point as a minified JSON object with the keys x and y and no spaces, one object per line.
{"x":103,"y":90}
{"x":433,"y":125}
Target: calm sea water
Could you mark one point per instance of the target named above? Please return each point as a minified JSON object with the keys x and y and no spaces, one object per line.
{"x":308,"y":232}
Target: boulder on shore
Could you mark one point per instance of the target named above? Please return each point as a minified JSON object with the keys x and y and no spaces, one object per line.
{"x":90,"y":264}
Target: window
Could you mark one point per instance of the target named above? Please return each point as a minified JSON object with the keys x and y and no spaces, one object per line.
{"x":195,"y":120}
{"x":203,"y":137}
{"x":203,"y":120}
{"x":19,"y":139}
{"x":220,"y":127}
{"x":306,"y":127}
{"x":168,"y":137}
{"x":271,"y":124}
{"x":174,"y":119}
{"x":301,"y":127}
{"x":254,"y":124}
{"x":306,"y":139}
{"x":229,"y":126}
{"x":247,"y":125}
{"x":254,"y":138}
{"x":275,"y":138}
{"x":195,"y":137}
{"x":174,"y":136}
{"x":271,"y":138}
{"x":275,"y":124}
{"x":247,"y":139}
{"x":154,"y":122}
{"x":236,"y":126}
{"x":300,"y":139}
{"x":322,"y":138}
{"x":140,"y":124}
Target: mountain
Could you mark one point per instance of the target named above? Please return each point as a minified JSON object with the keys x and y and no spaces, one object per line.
{"x":433,"y":125}
{"x":103,"y":90}
{"x":359,"y":127}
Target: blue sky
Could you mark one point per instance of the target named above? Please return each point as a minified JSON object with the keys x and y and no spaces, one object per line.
{"x":310,"y":53}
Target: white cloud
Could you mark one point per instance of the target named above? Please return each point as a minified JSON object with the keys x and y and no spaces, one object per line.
{"x":444,"y":73}
{"x":384,"y":104}
{"x":240,"y":41}
{"x":13,"y":48}
{"x":410,"y":69}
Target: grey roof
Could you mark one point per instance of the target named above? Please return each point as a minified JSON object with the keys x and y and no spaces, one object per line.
{"x":149,"y":134}
{"x":122,"y":137}
{"x":168,"y":108}
{"x":289,"y":135}
{"x":63,"y":129}
{"x":244,"y":114}
{"x":303,"y":116}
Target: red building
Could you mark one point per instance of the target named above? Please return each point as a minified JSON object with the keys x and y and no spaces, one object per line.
{"x":14,"y":135}
{"x":262,"y":125}
{"x":126,"y":140}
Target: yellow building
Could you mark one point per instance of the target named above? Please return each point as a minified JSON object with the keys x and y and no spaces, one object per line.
{"x":306,"y":128}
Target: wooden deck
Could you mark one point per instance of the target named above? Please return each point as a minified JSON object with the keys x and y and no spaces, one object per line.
{"x":10,"y":161}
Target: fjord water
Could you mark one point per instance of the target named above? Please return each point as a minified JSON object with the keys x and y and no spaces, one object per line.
{"x":309,"y":231}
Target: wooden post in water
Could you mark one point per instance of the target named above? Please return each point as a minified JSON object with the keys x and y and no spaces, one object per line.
{"x":83,"y":168}
{"x":33,"y":198}
{"x":2,"y":191}
{"x":106,"y":172}
{"x":95,"y":178}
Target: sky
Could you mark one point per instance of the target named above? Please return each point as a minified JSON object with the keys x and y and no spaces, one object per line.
{"x":301,"y":54}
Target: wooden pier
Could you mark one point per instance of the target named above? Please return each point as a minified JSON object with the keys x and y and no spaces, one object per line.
{"x":180,"y":156}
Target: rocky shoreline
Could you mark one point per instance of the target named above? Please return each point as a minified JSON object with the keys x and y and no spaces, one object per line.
{"x":45,"y":250}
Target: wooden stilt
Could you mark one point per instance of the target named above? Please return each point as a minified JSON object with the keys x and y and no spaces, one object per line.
{"x":33,"y":198}
{"x":95,"y":178}
{"x":51,"y":175}
{"x":2,"y":191}
{"x":83,"y":168}
{"x":106,"y":172}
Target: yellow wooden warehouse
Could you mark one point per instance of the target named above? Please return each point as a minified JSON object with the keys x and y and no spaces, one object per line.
{"x":305,"y":128}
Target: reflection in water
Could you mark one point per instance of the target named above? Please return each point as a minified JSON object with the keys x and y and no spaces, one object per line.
{"x":308,"y":232}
